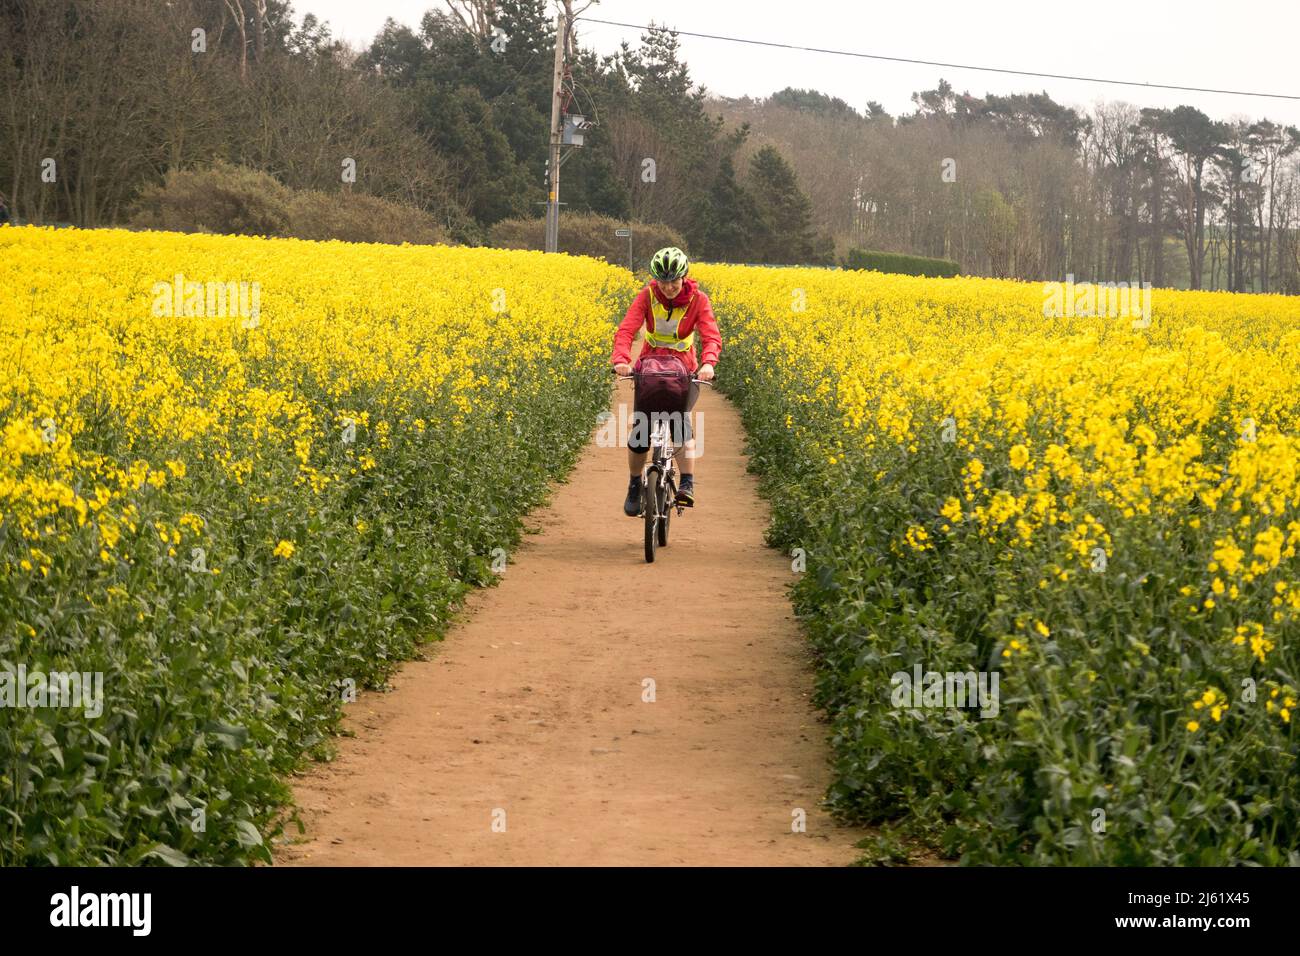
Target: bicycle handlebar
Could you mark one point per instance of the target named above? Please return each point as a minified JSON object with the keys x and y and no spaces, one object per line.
{"x":694,"y":381}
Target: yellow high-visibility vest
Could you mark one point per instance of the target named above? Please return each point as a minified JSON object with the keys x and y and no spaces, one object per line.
{"x":664,"y":334}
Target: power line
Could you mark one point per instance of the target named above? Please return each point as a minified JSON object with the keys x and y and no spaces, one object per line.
{"x":954,"y":66}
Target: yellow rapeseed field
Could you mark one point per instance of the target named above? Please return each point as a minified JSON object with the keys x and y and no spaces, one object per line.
{"x":1103,"y":510}
{"x":240,"y":474}
{"x":241,"y":477}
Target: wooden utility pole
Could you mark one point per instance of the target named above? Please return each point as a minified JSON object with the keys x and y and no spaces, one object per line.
{"x":562,"y":23}
{"x":553,"y":169}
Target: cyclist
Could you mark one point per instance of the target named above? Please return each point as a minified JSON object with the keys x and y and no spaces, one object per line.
{"x":671,"y":308}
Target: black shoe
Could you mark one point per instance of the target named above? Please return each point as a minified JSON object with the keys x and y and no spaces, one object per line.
{"x":686,"y":491}
{"x":632,"y":506}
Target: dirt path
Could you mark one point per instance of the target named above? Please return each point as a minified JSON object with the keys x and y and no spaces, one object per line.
{"x":533,"y":705}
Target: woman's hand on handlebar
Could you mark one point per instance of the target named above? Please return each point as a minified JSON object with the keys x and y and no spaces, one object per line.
{"x":703,"y":377}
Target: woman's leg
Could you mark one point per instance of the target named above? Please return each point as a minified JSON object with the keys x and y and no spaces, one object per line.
{"x":686,"y":454}
{"x":638,"y":439}
{"x":635,"y":462}
{"x":638,"y":446}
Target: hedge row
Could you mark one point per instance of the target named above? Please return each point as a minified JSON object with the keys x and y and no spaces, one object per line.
{"x":234,"y":200}
{"x":901,"y":264}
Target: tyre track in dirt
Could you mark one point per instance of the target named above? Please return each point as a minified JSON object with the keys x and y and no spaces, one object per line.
{"x":533,"y":703}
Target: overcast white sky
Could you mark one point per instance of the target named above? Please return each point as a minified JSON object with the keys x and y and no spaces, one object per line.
{"x":1204,"y":43}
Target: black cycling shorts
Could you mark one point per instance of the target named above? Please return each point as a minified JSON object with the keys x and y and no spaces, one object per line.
{"x":642,"y":425}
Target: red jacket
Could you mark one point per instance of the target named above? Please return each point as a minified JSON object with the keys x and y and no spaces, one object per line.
{"x":698,"y":317}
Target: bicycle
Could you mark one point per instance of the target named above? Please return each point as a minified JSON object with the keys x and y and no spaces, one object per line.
{"x":659,"y":482}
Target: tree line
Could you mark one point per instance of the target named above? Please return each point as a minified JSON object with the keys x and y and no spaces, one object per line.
{"x":103,"y":98}
{"x":451,"y":117}
{"x":1022,"y":186}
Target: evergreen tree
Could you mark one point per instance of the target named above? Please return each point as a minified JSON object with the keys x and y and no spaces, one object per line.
{"x":485,"y":108}
{"x":814,"y":101}
{"x":724,"y":228}
{"x":783,"y":232}
{"x":494,"y":184}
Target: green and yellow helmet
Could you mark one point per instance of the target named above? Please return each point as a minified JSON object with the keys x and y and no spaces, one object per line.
{"x":669,"y":263}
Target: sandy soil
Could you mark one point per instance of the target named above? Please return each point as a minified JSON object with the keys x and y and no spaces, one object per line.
{"x":525,"y":738}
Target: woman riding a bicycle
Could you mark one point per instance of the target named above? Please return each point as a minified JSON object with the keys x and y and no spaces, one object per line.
{"x":671,"y":308}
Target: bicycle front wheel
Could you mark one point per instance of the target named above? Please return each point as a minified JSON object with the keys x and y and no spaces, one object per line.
{"x":652,"y":494}
{"x":665,"y":512}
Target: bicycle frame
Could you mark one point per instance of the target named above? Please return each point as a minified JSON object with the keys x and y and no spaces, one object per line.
{"x":663,"y":460}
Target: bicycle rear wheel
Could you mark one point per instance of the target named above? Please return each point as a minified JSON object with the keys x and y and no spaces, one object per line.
{"x":652,"y":495}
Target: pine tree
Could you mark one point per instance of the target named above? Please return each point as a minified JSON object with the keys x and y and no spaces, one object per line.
{"x":783,"y":232}
{"x":725,"y":224}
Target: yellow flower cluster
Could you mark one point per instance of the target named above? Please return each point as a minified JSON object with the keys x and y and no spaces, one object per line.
{"x":1283,"y":706}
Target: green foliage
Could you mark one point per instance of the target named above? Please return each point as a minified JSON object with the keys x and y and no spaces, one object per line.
{"x":494,"y":182}
{"x":356,"y":217}
{"x":216,"y":684}
{"x":488,"y":108}
{"x":899,"y":263}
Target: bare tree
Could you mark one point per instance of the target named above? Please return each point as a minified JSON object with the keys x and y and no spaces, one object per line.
{"x":236,"y":9}
{"x":476,"y":15}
